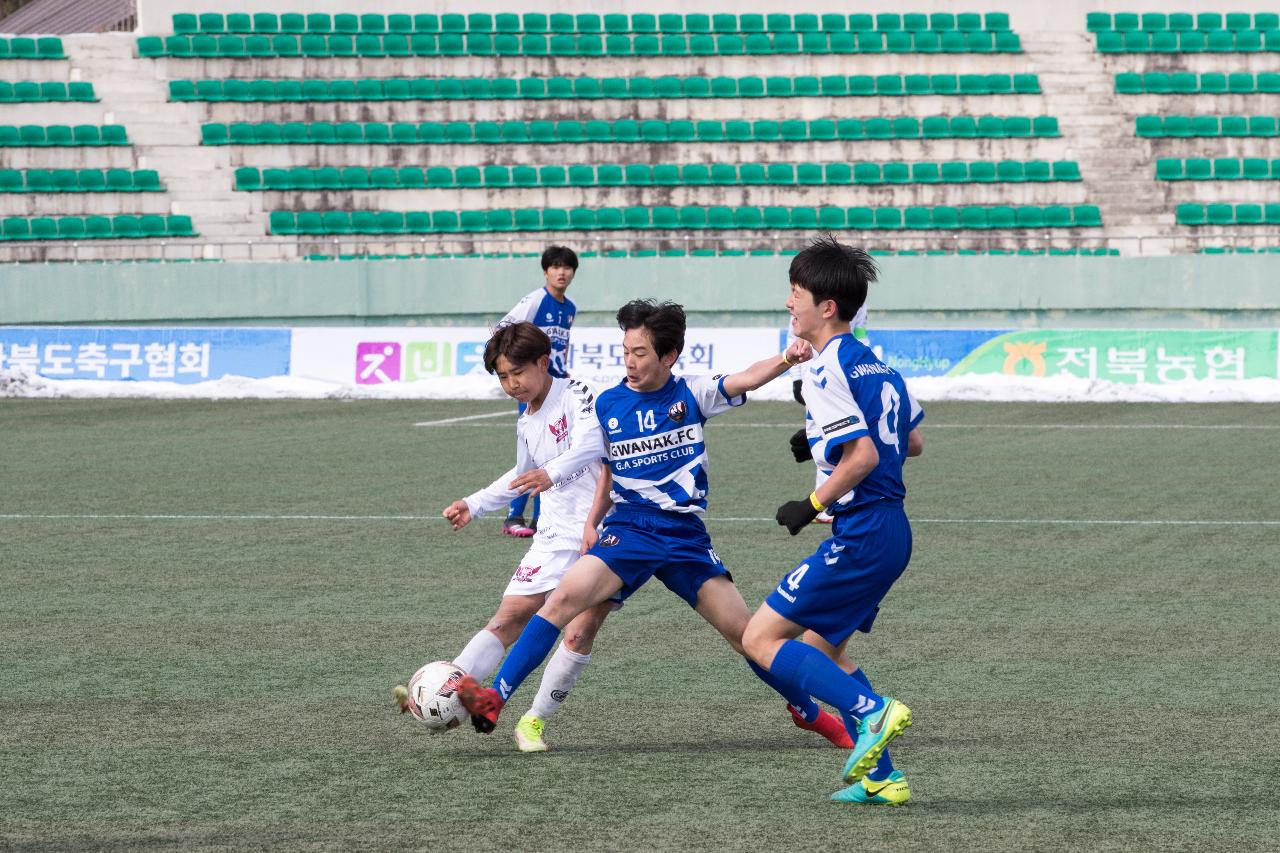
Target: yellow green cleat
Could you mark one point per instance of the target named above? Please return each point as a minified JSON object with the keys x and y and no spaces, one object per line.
{"x":529,"y":734}
{"x":874,"y":734}
{"x":891,"y":791}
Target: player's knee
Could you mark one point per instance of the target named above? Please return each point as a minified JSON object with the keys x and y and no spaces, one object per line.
{"x":757,"y":644}
{"x":560,"y":608}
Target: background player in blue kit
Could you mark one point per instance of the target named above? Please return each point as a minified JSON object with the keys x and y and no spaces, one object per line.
{"x":549,"y":309}
{"x":861,"y":425}
{"x":650,"y":428}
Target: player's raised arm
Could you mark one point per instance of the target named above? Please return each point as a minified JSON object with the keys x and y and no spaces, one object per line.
{"x":766,"y":370}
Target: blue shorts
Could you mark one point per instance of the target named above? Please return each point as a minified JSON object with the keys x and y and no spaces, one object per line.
{"x":837,"y":589}
{"x":639,"y":543}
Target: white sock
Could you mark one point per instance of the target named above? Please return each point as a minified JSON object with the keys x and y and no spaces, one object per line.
{"x":482,"y":655}
{"x":557,"y":680}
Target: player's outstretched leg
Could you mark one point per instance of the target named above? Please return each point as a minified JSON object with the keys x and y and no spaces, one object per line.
{"x":587,"y":583}
{"x":721,"y":604}
{"x":561,"y":674}
{"x":871,"y":720}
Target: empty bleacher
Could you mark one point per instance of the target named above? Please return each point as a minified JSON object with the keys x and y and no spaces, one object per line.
{"x":282,"y":131}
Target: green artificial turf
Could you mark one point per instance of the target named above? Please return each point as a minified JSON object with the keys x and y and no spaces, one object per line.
{"x":205,"y":605}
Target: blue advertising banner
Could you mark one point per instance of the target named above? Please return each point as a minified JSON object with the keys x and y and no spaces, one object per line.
{"x":928,"y":352}
{"x":182,"y":355}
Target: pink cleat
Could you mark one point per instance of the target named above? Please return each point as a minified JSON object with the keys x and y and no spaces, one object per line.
{"x":828,"y":725}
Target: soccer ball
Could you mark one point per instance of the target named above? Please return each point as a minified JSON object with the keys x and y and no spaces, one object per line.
{"x":433,"y":696}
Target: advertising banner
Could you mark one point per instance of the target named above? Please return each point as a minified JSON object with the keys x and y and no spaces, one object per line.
{"x":1153,"y":356}
{"x":384,"y":355}
{"x":181,"y":355}
{"x":373,"y":356}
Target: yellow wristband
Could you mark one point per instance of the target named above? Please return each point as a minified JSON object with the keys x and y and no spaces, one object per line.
{"x":788,"y":362}
{"x":815,"y":503}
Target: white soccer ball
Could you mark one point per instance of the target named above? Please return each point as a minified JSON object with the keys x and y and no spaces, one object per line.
{"x":433,"y":696}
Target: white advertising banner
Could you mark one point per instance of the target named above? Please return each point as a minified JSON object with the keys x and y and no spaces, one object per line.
{"x":390,"y":355}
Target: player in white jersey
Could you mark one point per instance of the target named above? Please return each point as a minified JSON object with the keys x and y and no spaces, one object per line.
{"x":519,"y":354}
{"x":550,"y":309}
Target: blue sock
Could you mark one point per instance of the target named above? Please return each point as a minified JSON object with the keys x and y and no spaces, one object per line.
{"x":517,"y":506}
{"x":537,"y":510}
{"x":885,"y":765}
{"x":530,"y":650}
{"x":806,"y":670}
{"x":801,"y":702}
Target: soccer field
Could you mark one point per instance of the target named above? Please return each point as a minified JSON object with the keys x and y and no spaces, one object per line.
{"x":206,"y":605}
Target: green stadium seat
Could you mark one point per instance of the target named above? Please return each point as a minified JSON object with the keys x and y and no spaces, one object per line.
{"x":837,"y":173}
{"x":1226,"y":169}
{"x":97,"y":227}
{"x":1234,"y":126}
{"x":1264,"y":126}
{"x":1002,"y":216}
{"x":981,"y":172}
{"x":1240,"y":84}
{"x":1010,"y":171}
{"x":1198,"y":169}
{"x":126,"y":226}
{"x":1130,"y":83}
{"x":1219,"y":214}
{"x":888,"y":218}
{"x":1255,"y":169}
{"x":1062,"y":170}
{"x":780,"y":173}
{"x":16,"y":228}
{"x":1086,"y":216}
{"x":752,"y":174}
{"x":895,"y":173}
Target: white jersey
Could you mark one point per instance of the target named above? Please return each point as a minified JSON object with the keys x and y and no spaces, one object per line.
{"x":542,"y":436}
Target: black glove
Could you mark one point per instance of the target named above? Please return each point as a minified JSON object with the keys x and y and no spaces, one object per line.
{"x":796,"y":385}
{"x":796,"y":515}
{"x":800,"y":448}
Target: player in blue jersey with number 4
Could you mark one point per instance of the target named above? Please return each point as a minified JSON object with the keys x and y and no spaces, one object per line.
{"x":650,"y":429}
{"x":861,"y":425}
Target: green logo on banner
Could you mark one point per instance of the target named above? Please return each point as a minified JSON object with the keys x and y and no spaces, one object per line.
{"x":1133,"y":356}
{"x":427,"y":359}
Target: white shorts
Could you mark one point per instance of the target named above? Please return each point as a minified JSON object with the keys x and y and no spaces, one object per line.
{"x":540,"y":570}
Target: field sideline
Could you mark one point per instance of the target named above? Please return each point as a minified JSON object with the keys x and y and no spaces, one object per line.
{"x":207,"y":603}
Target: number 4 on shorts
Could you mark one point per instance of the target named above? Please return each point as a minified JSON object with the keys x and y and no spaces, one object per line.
{"x":793,"y":579}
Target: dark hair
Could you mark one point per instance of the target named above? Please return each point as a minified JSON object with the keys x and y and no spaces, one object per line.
{"x":831,"y":270}
{"x":521,"y":343}
{"x":664,"y":321}
{"x":559,"y":256}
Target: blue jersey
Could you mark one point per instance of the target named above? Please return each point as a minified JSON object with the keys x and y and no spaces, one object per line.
{"x":655,"y":443}
{"x":552,"y":316}
{"x":849,"y":393}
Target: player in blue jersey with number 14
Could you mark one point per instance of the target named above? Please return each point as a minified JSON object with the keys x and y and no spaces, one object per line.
{"x":650,"y":429}
{"x":861,"y":425}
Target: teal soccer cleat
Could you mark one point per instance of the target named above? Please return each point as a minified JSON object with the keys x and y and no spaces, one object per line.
{"x":874,"y":734}
{"x":891,"y":791}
